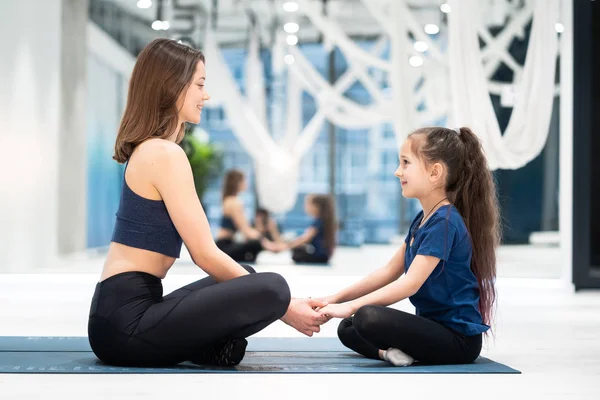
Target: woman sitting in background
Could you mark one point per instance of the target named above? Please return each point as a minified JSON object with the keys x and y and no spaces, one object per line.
{"x":234,"y":220}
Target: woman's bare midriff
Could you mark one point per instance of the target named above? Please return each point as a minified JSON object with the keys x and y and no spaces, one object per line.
{"x":122,"y":258}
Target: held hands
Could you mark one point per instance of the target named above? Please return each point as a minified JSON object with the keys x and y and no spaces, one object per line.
{"x":273,"y":246}
{"x":302,"y":315}
{"x":335,"y":310}
{"x":307,"y":315}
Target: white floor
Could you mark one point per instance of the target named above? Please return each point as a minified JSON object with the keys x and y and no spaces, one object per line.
{"x":543,"y":329}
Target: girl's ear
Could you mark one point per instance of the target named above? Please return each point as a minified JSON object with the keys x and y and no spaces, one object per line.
{"x":436,"y":172}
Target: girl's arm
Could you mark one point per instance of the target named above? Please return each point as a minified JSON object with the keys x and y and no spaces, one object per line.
{"x":420,"y":269}
{"x":376,"y":280}
{"x":305,"y":238}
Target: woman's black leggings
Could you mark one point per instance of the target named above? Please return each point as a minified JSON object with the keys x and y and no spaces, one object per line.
{"x":132,"y":324}
{"x":240,"y":251}
{"x":428,"y":342}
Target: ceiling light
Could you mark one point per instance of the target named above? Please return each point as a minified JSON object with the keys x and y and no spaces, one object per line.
{"x":159,"y":25}
{"x":144,"y":3}
{"x":292,"y":40}
{"x":421,"y":46}
{"x":291,"y":27}
{"x":431,"y":29}
{"x":415,"y":61}
{"x":289,"y":59}
{"x":290,"y":6}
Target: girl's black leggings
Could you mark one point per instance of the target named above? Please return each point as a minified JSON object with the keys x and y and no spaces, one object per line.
{"x":428,"y":342}
{"x":301,"y":255}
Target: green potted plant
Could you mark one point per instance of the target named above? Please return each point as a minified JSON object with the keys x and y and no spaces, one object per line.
{"x":206,"y":159}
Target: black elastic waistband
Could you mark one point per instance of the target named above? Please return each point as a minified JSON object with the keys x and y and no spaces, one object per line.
{"x":135,"y":275}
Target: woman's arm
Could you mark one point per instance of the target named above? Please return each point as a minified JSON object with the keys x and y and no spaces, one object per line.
{"x":274,"y":231}
{"x":239,"y":219}
{"x":172,"y":176}
{"x":375,"y":280}
{"x":236,"y":209}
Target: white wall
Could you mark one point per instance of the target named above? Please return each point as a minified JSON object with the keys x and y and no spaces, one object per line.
{"x":109,"y":68}
{"x":72,"y":174}
{"x":30,"y":55}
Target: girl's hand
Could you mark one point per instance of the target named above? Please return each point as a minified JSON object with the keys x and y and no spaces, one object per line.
{"x":337,"y":310}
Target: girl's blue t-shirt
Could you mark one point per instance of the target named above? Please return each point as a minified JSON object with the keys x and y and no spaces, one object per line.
{"x":450,"y":295}
{"x":318,"y":241}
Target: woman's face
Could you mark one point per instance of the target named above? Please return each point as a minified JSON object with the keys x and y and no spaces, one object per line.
{"x":194,"y":97}
{"x":243,"y":185}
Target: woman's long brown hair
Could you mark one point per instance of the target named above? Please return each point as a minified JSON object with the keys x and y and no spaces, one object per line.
{"x":163,"y":71}
{"x":231,"y":183}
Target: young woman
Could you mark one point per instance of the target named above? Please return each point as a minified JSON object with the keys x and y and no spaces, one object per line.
{"x":317,"y":243}
{"x":131,"y":323}
{"x":234,"y":220}
{"x":448,"y":260}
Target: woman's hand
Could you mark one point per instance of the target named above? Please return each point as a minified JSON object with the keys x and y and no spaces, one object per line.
{"x":301,"y":315}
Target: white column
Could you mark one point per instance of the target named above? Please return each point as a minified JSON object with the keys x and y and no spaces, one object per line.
{"x":72,"y":173}
{"x":37,"y":145}
{"x":566,"y":143}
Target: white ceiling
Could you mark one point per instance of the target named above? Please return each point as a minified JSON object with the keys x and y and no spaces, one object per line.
{"x":233,"y":22}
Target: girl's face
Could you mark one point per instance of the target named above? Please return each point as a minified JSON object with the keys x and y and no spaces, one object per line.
{"x":412,"y":173}
{"x":309,"y":207}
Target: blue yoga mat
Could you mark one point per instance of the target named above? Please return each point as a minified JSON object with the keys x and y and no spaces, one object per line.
{"x":72,"y":355}
{"x":81,"y":344}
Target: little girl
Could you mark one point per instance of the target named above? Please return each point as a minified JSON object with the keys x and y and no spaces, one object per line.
{"x":317,"y":243}
{"x":447,"y":259}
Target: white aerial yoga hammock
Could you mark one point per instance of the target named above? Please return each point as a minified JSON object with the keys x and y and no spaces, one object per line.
{"x":277,"y":162}
{"x":276,"y":166}
{"x":528,"y":128}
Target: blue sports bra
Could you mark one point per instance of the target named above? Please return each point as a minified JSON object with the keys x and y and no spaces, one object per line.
{"x":145,"y":224}
{"x":227,"y":223}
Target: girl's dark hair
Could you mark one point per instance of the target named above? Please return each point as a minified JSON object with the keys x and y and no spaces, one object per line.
{"x":163,"y":71}
{"x":471,"y":188}
{"x":231,"y":182}
{"x":262,"y":212}
{"x":326,"y":207}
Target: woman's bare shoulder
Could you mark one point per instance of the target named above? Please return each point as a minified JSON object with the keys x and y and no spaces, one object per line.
{"x":160,"y":154}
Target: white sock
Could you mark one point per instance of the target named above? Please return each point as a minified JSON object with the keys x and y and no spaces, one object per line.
{"x":397,"y":357}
